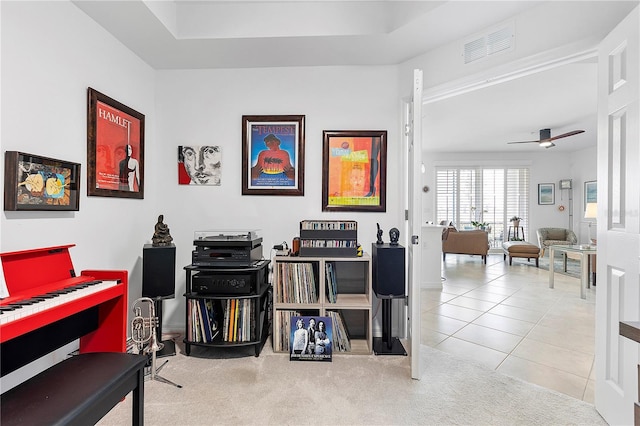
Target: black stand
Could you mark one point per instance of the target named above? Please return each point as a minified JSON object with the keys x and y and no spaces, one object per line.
{"x":387,"y":345}
{"x":168,"y":346}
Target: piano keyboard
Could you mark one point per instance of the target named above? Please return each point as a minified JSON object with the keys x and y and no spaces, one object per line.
{"x":23,"y":308}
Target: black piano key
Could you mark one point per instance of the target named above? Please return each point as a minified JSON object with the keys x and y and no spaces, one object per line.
{"x":15,"y":306}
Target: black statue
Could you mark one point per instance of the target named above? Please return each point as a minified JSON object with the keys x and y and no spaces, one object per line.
{"x":379,"y":235}
{"x":161,"y":236}
{"x":394,"y":235}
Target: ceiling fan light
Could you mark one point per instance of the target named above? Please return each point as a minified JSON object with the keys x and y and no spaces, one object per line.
{"x":546,"y":144}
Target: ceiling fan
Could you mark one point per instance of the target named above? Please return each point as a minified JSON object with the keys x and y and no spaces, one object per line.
{"x":546,"y":141}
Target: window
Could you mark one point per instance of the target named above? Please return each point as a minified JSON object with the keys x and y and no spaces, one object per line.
{"x":489,"y":196}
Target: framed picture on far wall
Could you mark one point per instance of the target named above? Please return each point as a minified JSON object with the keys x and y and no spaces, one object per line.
{"x":590,"y":193}
{"x":546,"y":193}
{"x":273,"y":154}
{"x":115,"y":148}
{"x":32,"y":182}
{"x":354,"y":170}
{"x":199,"y":165}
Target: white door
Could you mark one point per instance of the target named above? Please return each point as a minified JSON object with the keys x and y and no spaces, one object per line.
{"x":414,"y":248}
{"x":618,"y":290}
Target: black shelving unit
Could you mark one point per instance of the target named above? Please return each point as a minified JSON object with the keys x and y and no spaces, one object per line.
{"x":248,"y":287}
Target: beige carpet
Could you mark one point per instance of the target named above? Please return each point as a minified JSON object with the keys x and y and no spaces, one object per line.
{"x":232,"y":387}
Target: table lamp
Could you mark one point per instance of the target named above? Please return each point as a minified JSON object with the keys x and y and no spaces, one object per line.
{"x":591,"y":212}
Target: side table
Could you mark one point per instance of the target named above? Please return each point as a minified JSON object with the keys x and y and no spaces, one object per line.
{"x":515,"y":233}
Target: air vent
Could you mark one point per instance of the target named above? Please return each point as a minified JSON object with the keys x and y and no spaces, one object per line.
{"x":498,"y":41}
{"x":475,"y":50}
{"x":488,"y":43}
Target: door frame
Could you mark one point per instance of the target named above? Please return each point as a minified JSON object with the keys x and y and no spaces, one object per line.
{"x":511,"y":71}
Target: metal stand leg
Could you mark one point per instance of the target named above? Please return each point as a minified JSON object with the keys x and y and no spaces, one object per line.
{"x":154,"y":370}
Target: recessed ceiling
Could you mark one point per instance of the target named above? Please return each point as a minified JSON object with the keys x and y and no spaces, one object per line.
{"x":241,"y":33}
{"x":185,"y":34}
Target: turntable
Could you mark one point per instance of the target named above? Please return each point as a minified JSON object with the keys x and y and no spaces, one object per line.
{"x":226,"y":248}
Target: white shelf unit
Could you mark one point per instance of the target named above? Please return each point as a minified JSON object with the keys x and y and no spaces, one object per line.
{"x":353,"y":298}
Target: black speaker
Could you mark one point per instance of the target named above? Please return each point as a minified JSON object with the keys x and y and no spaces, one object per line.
{"x":388,"y":270}
{"x":158,"y":271}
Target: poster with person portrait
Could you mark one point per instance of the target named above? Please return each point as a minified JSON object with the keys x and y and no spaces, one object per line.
{"x":311,"y":338}
{"x":115,"y":148}
{"x":199,"y":165}
{"x":273,"y":155}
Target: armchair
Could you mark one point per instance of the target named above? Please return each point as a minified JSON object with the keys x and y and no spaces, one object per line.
{"x":555,"y":236}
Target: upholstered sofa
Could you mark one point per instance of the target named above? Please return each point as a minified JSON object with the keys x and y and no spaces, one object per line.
{"x":555,"y":236}
{"x":465,"y":242}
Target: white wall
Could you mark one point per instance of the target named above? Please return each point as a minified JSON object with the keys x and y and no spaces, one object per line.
{"x":206,"y":107}
{"x":545,"y":167}
{"x":51,"y":54}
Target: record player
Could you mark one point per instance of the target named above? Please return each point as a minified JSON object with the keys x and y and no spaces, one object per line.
{"x":226,"y":248}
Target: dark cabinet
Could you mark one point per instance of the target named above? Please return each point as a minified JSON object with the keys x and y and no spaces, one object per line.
{"x":227,"y":307}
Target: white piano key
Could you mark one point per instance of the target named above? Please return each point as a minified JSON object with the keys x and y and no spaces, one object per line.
{"x":78,"y":293}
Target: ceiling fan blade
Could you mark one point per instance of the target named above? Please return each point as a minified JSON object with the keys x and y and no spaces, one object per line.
{"x":524,"y":142}
{"x":550,"y":146}
{"x":564,"y":135}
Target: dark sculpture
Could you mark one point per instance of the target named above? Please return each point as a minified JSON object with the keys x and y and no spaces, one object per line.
{"x":161,"y":236}
{"x":379,"y":235}
{"x":394,"y":235}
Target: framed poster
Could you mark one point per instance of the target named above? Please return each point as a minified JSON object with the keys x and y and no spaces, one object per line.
{"x":115,"y":148}
{"x":354,"y":170}
{"x":273,"y":154}
{"x":590,"y":193}
{"x":32,"y":182}
{"x":546,"y":193}
{"x":311,"y":338}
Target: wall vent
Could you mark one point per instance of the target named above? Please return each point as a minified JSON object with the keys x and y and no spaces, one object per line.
{"x":488,"y":43}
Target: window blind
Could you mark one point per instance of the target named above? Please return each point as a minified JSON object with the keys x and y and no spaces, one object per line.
{"x":467,"y":196}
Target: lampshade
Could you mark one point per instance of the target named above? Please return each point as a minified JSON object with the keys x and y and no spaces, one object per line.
{"x":591,"y":212}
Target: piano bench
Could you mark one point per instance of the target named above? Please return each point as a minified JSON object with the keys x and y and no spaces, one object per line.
{"x":77,"y":391}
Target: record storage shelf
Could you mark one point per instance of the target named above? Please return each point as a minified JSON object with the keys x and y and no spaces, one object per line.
{"x":353,"y":298}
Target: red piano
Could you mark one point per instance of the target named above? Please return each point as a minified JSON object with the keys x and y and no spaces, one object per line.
{"x":49,"y":306}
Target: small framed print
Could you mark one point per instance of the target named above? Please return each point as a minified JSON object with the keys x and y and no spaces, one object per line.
{"x":32,"y":182}
{"x":115,"y":148}
{"x":565,"y":184}
{"x":546,"y":193}
{"x":590,"y":193}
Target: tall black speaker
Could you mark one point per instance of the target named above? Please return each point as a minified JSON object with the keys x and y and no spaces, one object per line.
{"x":158,"y":283}
{"x":388,"y":269}
{"x":159,"y":271}
{"x":387,"y":266}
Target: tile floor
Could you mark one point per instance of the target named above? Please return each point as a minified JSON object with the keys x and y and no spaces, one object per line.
{"x":507,"y":318}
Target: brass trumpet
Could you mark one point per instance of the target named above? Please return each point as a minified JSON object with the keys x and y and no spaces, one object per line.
{"x":143,"y":331}
{"x":143,"y":326}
